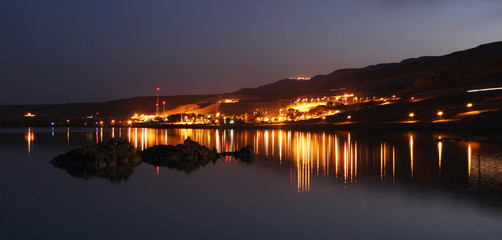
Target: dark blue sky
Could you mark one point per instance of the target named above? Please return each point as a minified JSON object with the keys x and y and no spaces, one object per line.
{"x":73,"y":51}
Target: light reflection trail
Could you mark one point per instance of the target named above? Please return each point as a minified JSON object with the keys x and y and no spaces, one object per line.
{"x":393,"y":164}
{"x":411,"y":155}
{"x":469,"y":160}
{"x":337,"y":159}
{"x":440,"y":154}
{"x":355,"y":159}
{"x":307,"y":152}
{"x":30,"y":137}
{"x":280,"y":147}
{"x":381,"y":162}
{"x":68,"y":136}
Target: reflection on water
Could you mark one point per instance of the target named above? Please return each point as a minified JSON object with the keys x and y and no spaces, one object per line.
{"x":29,"y":137}
{"x":345,"y":157}
{"x":411,"y":155}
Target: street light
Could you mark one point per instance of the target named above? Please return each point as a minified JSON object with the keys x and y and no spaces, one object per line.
{"x":411,"y":115}
{"x":440,"y":113}
{"x":469,"y":105}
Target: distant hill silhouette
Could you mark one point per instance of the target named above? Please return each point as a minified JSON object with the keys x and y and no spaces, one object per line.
{"x":453,"y":73}
{"x":480,"y":66}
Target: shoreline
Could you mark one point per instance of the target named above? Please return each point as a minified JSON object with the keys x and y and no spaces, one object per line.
{"x":459,"y":127}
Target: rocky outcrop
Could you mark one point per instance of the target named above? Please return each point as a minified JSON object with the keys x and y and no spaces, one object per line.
{"x":115,"y":160}
{"x":245,"y":154}
{"x":188,"y":156}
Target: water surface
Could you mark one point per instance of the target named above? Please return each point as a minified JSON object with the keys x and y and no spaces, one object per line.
{"x":301,"y":184}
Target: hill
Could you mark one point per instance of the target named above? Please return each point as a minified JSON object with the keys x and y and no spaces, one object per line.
{"x":476,"y":67}
{"x":427,"y":76}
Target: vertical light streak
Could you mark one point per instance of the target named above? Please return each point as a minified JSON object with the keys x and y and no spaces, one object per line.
{"x":257,"y":141}
{"x":68,"y":136}
{"x":30,"y":136}
{"x":337,"y":157}
{"x":351,"y":162}
{"x":298,"y":162}
{"x":469,"y":160}
{"x":280,"y":147}
{"x":393,"y":165}
{"x":113,"y":132}
{"x":266,"y":142}
{"x":101,"y":134}
{"x":318,"y":148}
{"x":136,"y":137}
{"x":411,"y":156}
{"x":324,"y":147}
{"x":345,"y":162}
{"x":156,"y":137}
{"x":381,"y":162}
{"x":273,"y":141}
{"x":218,"y":147}
{"x":440,"y":154}
{"x":288,"y":146}
{"x":384,"y":160}
{"x":142,"y":139}
{"x":328,"y":158}
{"x":232,"y":145}
{"x":355,"y":159}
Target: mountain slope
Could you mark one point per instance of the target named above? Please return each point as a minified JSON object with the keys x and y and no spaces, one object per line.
{"x":459,"y":70}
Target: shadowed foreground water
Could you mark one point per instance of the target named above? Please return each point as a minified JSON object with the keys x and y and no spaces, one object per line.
{"x":301,"y":184}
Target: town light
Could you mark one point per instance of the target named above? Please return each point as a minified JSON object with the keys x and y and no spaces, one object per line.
{"x":440,"y":113}
{"x":349,"y":117}
{"x":412,"y":115}
{"x":469,"y":105}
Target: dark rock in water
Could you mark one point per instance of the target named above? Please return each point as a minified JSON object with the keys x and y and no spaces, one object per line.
{"x":188,"y":156}
{"x":115,"y":159}
{"x":245,"y":154}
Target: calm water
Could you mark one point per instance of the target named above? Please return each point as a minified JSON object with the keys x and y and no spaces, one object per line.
{"x":313,"y":185}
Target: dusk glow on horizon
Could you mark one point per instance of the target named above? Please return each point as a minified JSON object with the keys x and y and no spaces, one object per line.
{"x":122,"y":49}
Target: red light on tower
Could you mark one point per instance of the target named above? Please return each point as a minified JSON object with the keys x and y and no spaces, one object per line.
{"x":157,"y":104}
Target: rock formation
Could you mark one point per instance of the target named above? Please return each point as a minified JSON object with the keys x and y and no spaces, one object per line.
{"x":188,"y":156}
{"x":115,"y":159}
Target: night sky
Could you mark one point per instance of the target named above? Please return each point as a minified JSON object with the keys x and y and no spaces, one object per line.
{"x":88,"y":51}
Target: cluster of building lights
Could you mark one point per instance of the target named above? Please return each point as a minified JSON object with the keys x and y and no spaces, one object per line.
{"x":298,"y":110}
